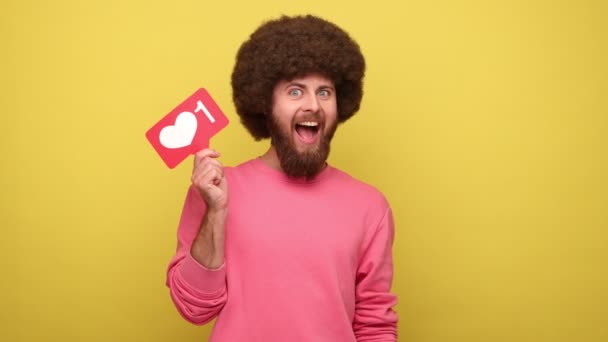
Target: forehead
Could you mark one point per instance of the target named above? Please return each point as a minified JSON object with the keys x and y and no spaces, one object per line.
{"x":313,"y":79}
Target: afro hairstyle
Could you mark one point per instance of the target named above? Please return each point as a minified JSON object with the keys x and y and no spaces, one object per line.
{"x":288,"y":48}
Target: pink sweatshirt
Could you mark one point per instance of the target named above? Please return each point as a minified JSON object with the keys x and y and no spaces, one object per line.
{"x":304,"y":261}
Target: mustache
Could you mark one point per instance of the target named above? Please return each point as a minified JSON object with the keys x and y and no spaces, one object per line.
{"x":316,"y":116}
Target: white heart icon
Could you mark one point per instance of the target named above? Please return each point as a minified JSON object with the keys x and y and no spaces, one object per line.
{"x":181,"y":134}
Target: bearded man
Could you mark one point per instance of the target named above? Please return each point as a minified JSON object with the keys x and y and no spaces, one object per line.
{"x":285,"y":247}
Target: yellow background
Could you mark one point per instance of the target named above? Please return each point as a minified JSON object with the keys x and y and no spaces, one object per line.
{"x":484,"y":123}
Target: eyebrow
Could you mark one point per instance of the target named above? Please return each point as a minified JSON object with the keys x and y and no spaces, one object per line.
{"x":301,"y":85}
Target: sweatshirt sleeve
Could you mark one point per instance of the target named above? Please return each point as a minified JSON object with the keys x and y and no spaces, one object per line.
{"x":374,"y":318}
{"x":199,"y":293}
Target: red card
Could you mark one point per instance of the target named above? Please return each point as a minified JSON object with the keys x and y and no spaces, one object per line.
{"x":187,"y":129}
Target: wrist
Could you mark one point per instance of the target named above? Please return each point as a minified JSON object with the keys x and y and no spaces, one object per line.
{"x":215,"y":213}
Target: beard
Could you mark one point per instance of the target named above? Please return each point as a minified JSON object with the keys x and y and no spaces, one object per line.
{"x":297,"y":164}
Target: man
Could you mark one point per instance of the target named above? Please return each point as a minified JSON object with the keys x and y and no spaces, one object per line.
{"x":285,"y":247}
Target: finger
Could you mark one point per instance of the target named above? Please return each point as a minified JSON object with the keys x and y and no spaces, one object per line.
{"x":208,"y":152}
{"x":206,"y":169}
{"x":212,"y":177}
{"x":204,"y":162}
{"x":204,"y":155}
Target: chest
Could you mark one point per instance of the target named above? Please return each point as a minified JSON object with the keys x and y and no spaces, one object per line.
{"x":294,"y":229}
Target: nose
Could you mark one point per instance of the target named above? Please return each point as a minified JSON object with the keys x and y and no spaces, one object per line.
{"x":311,"y":103}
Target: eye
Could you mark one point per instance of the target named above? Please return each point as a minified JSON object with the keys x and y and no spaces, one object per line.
{"x":324,"y":93}
{"x":295,"y":92}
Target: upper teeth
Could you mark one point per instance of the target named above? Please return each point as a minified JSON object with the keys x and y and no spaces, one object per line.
{"x":309,"y":123}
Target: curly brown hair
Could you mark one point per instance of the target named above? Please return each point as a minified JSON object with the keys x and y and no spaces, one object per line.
{"x":288,"y":48}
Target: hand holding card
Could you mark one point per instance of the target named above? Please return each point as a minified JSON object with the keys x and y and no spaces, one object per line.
{"x":187,"y":128}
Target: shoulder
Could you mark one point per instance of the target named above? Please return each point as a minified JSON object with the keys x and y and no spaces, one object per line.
{"x":245,"y":176}
{"x":358,"y":190}
{"x":363,"y":201}
{"x":239,"y":170}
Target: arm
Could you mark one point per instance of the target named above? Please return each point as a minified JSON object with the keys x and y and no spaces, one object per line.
{"x":196,"y":275}
{"x":375,"y":319}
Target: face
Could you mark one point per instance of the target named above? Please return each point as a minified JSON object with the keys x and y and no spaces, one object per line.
{"x":303,"y":122}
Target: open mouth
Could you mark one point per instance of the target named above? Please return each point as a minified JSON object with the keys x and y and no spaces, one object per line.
{"x":308,"y":131}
